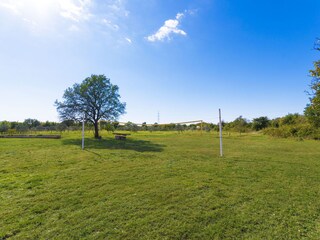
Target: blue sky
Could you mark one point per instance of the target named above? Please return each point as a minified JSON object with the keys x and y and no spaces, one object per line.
{"x":185,"y":59}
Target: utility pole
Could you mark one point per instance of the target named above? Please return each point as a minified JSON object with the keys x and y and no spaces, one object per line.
{"x":158,"y":117}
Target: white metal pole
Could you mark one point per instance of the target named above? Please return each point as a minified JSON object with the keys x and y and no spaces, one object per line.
{"x":220,"y":130}
{"x":83,"y":133}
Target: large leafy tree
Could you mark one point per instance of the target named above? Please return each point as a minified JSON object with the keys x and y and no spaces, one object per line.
{"x":94,"y":99}
{"x":240,"y":124}
{"x":312,"y":111}
{"x":260,"y":123}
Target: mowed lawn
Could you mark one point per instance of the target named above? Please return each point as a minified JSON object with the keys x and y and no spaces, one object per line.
{"x":160,"y":186}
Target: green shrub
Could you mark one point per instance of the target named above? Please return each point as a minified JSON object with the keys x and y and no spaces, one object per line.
{"x":296,"y":131}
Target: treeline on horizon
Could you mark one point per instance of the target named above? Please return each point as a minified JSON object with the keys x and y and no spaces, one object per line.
{"x":291,"y":125}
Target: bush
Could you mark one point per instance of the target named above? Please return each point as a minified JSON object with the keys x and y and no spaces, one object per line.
{"x":22,"y":128}
{"x":4,"y":127}
{"x":299,"y":131}
{"x":129,"y":126}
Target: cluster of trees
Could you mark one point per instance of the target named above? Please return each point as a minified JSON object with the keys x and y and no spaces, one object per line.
{"x":243,"y":125}
{"x":34,"y":125}
{"x":129,"y":126}
{"x":97,"y":101}
{"x":290,"y":125}
{"x":293,"y":125}
{"x":307,"y":125}
{"x":312,"y":111}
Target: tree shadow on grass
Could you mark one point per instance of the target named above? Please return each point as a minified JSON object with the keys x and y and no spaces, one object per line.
{"x":109,"y":143}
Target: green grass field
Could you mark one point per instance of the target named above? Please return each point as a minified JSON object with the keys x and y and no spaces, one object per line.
{"x":160,"y":186}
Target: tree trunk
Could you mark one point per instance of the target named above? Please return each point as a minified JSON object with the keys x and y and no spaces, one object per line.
{"x":96,"y":129}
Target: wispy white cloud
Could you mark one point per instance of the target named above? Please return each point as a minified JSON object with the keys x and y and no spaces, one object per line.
{"x":117,"y":7}
{"x":179,"y":16}
{"x":75,"y":13}
{"x":11,"y":6}
{"x":31,"y":22}
{"x":75,"y":10}
{"x":170,"y":27}
{"x":58,"y":17}
{"x":128,"y":40}
{"x":110,"y":24}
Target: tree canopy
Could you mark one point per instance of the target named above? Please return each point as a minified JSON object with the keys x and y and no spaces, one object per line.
{"x":260,"y":123}
{"x":94,"y":99}
{"x":312,"y":111}
{"x":240,"y":124}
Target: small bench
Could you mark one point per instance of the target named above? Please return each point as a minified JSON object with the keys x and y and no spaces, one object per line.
{"x":121,"y":136}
